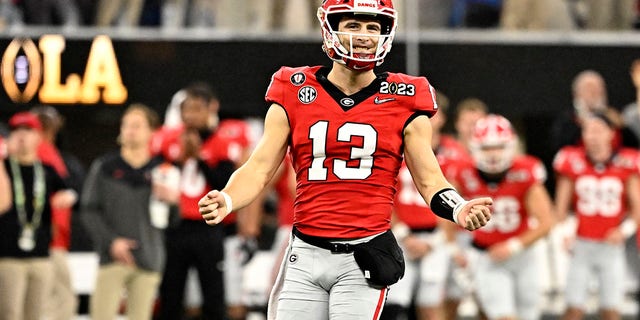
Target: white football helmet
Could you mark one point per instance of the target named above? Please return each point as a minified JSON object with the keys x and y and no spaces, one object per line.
{"x":493,"y":144}
{"x":330,"y":13}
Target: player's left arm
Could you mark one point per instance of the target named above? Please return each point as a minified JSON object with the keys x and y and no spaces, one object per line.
{"x":540,"y":207}
{"x":563,"y":196}
{"x":431,"y":183}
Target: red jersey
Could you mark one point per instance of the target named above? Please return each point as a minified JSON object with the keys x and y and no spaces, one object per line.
{"x":347,"y":150}
{"x":510,"y":216}
{"x":450,"y":150}
{"x":599,"y":191}
{"x":226,"y":143}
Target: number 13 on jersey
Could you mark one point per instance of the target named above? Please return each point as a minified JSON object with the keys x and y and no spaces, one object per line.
{"x":364,"y":153}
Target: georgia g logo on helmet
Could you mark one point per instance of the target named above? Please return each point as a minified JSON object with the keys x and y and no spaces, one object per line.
{"x":329,"y":15}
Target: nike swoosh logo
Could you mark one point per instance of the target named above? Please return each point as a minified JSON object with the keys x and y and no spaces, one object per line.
{"x":377,"y":100}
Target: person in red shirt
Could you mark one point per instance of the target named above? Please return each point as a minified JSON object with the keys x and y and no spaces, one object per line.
{"x":207,"y":150}
{"x":347,"y":129}
{"x":599,"y":183}
{"x":504,"y":264}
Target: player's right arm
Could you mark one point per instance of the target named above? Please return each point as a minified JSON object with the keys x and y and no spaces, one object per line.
{"x":252,"y":177}
{"x":564,"y":194}
{"x":565,"y":177}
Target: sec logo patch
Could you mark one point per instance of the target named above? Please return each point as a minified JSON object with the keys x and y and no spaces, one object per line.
{"x":307,"y":94}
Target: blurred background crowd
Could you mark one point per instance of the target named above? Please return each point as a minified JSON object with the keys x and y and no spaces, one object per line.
{"x":298,"y":16}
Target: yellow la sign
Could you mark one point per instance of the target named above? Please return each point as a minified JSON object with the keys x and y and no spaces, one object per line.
{"x":101,"y":73}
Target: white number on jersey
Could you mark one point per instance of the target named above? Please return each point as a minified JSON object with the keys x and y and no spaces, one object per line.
{"x":505,"y":217}
{"x":599,"y":196}
{"x":364,"y":153}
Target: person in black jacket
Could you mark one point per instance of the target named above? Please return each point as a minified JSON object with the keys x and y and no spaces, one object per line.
{"x":115,"y":208}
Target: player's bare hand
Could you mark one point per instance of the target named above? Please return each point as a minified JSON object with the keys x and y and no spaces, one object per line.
{"x":475,"y":214}
{"x":64,"y":199}
{"x":614,"y":236}
{"x":213,"y":207}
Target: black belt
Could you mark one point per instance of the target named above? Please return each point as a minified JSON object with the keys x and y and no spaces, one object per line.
{"x":324,"y":243}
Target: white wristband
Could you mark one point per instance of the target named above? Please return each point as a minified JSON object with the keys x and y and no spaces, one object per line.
{"x":457,"y":209}
{"x":515,"y":245}
{"x":227,"y":201}
{"x":628,"y":227}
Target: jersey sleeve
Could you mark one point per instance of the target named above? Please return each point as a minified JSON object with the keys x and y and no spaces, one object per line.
{"x":562,"y":162}
{"x":538,"y":171}
{"x":165,"y":142}
{"x":275,"y":91}
{"x":629,"y":160}
{"x":425,"y":99}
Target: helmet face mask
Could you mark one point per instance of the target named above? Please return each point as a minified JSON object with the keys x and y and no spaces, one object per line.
{"x":339,"y":45}
{"x":493,"y":144}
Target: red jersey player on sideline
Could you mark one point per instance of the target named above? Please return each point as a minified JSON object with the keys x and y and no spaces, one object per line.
{"x":207,"y":151}
{"x":347,"y":128}
{"x":505,"y":267}
{"x":598,"y":182}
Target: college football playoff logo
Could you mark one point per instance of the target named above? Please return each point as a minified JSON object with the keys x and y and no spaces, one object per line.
{"x":298,"y":78}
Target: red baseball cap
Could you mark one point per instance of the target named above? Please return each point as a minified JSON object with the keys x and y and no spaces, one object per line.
{"x":25,"y":119}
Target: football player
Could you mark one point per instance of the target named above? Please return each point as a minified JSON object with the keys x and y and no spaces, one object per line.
{"x":207,"y":151}
{"x":347,"y":129}
{"x":504,"y":265}
{"x":599,"y":183}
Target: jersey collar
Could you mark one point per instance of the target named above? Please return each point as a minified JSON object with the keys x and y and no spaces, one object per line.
{"x":347,"y":102}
